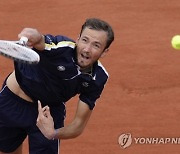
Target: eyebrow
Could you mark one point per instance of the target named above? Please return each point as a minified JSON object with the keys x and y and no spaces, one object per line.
{"x":94,"y":42}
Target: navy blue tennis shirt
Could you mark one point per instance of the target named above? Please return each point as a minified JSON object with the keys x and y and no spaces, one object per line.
{"x":57,"y":77}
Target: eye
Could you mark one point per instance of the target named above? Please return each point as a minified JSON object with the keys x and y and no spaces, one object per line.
{"x":97,"y":46}
{"x":84,"y":40}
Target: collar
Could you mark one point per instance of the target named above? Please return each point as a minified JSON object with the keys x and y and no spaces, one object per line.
{"x":90,"y":71}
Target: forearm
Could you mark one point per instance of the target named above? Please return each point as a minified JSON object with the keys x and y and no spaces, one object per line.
{"x":70,"y":131}
{"x":46,"y":124}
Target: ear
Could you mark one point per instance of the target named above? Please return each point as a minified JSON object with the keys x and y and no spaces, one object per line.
{"x":78,"y":39}
{"x":104,"y":52}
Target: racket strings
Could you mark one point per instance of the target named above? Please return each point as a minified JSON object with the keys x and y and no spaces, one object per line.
{"x":18,"y":52}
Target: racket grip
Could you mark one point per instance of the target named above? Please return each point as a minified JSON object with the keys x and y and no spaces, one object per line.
{"x":23,"y":40}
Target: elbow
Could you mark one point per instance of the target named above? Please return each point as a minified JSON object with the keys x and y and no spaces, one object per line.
{"x":78,"y":128}
{"x":78,"y":132}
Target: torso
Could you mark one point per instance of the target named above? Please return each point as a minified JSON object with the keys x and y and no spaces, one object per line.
{"x":57,"y":78}
{"x":15,"y":88}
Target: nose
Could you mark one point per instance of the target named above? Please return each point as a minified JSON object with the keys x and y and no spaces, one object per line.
{"x":87,"y":48}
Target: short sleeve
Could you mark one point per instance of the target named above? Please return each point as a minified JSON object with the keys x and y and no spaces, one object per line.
{"x":90,"y":94}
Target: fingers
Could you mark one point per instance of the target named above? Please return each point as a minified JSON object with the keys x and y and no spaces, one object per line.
{"x":33,"y":36}
{"x":45,"y":121}
{"x":27,"y":32}
{"x":46,"y":111}
{"x":39,"y":107}
{"x":43,"y":111}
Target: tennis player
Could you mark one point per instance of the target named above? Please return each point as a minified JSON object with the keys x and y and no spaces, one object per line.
{"x":33,"y":97}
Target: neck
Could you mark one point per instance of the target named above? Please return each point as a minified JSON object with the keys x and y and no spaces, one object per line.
{"x":86,"y":70}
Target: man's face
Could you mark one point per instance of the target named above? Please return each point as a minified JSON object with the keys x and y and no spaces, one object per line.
{"x":90,"y":47}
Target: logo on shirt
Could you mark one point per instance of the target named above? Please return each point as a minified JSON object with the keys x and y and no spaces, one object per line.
{"x":85,"y":84}
{"x":61,"y":68}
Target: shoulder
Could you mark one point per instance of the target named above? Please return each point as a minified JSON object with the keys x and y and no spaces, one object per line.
{"x":58,"y":38}
{"x":100,"y":73}
{"x":102,"y":68}
{"x":59,"y":41}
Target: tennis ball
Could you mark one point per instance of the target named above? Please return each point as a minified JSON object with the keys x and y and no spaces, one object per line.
{"x":175,"y":42}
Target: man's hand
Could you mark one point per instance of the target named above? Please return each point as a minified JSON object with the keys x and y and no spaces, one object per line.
{"x":45,"y":122}
{"x":35,"y":38}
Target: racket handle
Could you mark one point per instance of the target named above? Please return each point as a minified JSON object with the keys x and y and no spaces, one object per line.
{"x":23,"y":40}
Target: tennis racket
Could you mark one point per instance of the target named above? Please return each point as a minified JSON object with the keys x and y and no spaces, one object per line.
{"x":18,"y":51}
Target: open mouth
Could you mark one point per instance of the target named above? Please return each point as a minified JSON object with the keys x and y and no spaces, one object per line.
{"x":84,"y":56}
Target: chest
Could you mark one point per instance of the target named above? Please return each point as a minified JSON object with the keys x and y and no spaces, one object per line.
{"x":59,"y":66}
